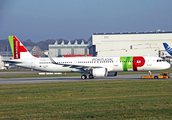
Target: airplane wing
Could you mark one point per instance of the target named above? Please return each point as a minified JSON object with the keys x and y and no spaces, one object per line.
{"x":74,"y":66}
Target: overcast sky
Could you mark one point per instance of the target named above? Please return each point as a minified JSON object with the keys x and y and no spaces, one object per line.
{"x":40,"y":20}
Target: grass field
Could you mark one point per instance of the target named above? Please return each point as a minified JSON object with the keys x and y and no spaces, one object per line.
{"x":71,"y":74}
{"x":125,"y":99}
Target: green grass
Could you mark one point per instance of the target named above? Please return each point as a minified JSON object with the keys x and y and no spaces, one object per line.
{"x":126,"y":99}
{"x":74,"y":74}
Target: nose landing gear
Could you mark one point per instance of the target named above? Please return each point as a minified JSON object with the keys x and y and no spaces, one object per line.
{"x":91,"y":76}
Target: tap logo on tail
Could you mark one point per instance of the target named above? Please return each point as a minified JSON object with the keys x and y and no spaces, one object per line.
{"x":17,"y":47}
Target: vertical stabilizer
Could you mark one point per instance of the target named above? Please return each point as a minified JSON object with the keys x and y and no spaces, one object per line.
{"x":168,"y":48}
{"x":18,"y":49}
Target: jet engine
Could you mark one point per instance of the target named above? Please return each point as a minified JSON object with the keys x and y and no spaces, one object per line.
{"x":99,"y":72}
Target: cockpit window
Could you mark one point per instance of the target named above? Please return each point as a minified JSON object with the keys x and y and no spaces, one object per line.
{"x":160,"y":60}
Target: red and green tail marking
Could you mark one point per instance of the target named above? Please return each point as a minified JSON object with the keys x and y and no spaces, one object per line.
{"x":16,"y":47}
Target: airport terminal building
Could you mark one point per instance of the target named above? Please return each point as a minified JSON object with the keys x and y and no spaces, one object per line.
{"x":129,"y":44}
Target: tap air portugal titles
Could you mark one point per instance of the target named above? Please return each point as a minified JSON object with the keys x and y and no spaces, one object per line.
{"x":91,"y":66}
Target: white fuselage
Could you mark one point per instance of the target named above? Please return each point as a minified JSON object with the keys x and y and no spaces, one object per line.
{"x":116,"y":64}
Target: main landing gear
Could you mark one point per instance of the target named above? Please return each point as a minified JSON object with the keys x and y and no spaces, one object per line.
{"x":85,"y":77}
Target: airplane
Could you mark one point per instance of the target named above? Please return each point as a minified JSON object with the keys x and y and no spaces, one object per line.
{"x":168,"y":48}
{"x":91,"y":66}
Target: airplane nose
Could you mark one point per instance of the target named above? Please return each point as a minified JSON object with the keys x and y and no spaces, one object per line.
{"x":163,"y":66}
{"x":167,"y":66}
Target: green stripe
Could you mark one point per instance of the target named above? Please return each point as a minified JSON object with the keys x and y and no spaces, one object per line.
{"x":11,"y":41}
{"x":127,"y":63}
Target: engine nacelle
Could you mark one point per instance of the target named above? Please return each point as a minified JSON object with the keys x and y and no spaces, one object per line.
{"x":99,"y":72}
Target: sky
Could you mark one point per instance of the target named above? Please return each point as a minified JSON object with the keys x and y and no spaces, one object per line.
{"x":39,"y":20}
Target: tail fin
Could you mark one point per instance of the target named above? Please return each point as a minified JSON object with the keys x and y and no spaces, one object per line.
{"x":17,"y":48}
{"x":168,"y":48}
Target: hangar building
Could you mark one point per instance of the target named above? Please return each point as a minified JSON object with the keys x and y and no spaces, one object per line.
{"x":58,"y":50}
{"x":131,"y":43}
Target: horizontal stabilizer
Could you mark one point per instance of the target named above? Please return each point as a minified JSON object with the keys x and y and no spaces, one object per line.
{"x":11,"y":61}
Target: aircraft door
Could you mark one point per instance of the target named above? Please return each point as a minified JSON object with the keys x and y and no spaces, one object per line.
{"x":149,"y":62}
{"x":33,"y":64}
{"x":115,"y":62}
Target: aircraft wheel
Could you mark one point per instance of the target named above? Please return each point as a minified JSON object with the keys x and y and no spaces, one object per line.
{"x":91,"y":77}
{"x":83,"y":77}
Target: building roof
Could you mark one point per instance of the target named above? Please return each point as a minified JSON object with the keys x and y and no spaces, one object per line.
{"x":71,"y":42}
{"x":151,"y":32}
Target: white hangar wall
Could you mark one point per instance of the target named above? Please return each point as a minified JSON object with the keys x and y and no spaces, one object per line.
{"x":126,"y":44}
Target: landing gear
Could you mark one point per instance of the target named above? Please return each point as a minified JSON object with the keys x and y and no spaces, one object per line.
{"x":91,"y":76}
{"x":83,"y":77}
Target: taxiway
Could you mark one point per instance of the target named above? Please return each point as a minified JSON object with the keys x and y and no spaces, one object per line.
{"x":67,"y":79}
